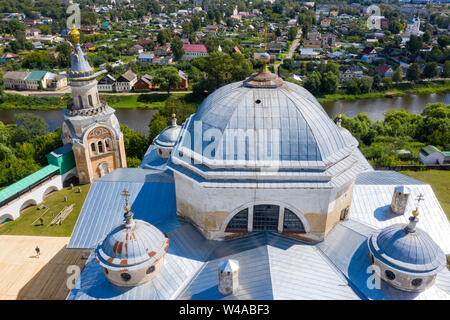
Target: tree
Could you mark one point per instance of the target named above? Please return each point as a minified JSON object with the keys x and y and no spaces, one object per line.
{"x":366,"y":84}
{"x":398,"y":75}
{"x":329,"y":82}
{"x":177,"y":47}
{"x":292,"y":33}
{"x":136,"y":144}
{"x":167,"y":78}
{"x":158,"y":123}
{"x":163,"y":36}
{"x":413,"y":72}
{"x":313,"y":83}
{"x":28,"y":127}
{"x":446,"y":69}
{"x":430,"y":70}
{"x":414,"y":44}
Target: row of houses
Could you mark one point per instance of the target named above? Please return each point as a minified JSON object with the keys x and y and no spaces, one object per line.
{"x":129,"y":81}
{"x":34,"y":80}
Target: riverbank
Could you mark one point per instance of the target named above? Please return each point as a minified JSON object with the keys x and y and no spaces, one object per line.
{"x":117,"y":101}
{"x":423,"y":89}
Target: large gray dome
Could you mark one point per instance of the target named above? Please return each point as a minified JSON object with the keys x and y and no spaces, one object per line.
{"x":410,"y":251}
{"x":307,"y":136}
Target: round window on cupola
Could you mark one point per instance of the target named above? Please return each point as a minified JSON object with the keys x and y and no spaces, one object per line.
{"x":125,"y":276}
{"x":389,"y":274}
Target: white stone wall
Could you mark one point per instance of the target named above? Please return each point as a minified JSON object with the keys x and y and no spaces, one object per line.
{"x":34,"y":197}
{"x":434,"y":158}
{"x":212,"y":216}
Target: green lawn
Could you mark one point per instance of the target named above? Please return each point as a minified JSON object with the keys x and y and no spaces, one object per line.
{"x":439,"y":181}
{"x":55,"y":201}
{"x":149,"y":101}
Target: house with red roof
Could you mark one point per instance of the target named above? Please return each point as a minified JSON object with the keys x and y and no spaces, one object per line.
{"x":192,"y":51}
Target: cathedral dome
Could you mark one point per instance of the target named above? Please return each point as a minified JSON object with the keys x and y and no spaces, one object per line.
{"x":407,"y":257}
{"x":295,"y":128}
{"x":169,"y":136}
{"x":133,"y":252}
{"x":414,"y":251}
{"x":132,"y":246}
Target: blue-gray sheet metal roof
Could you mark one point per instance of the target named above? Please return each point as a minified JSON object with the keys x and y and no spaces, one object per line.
{"x":408,"y":251}
{"x":152,"y":199}
{"x":271,"y":267}
{"x":306,"y":131}
{"x":346,"y":248}
{"x":152,"y":161}
{"x":372,"y":196}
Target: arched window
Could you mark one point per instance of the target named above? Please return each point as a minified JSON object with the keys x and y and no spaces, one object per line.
{"x":93,"y":147}
{"x":239,"y":222}
{"x":265,"y":217}
{"x":90,"y":101}
{"x":80,"y":102}
{"x":291,"y":222}
{"x":108,"y":144}
{"x":100,"y":147}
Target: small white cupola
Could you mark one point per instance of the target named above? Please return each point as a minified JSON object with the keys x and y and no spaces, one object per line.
{"x":407,"y":257}
{"x":167,"y":139}
{"x":400,"y":199}
{"x":133,"y":252}
{"x":228,"y":277}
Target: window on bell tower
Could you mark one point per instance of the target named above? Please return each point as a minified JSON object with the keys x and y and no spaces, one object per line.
{"x":100,"y":147}
{"x":90,"y":101}
{"x":80,"y":102}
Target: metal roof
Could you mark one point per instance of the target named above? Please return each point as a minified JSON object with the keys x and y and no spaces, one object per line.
{"x":346,"y":248}
{"x":152,"y":199}
{"x":372,"y":196}
{"x":36,"y":75}
{"x":306,"y":132}
{"x":29,"y":180}
{"x":271,"y":267}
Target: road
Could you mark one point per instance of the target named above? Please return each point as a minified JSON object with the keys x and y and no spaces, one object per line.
{"x":292,"y":49}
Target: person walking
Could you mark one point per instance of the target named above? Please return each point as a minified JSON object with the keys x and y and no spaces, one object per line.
{"x":38,"y":251}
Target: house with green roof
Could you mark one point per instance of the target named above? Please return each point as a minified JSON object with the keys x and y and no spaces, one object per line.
{"x":37,"y":79}
{"x":432,"y":155}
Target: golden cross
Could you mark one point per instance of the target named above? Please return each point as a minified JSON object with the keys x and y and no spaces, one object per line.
{"x":340,"y":111}
{"x":125,"y":194}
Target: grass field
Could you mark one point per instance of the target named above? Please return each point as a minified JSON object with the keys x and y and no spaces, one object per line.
{"x":419,"y":89}
{"x":55,"y":201}
{"x":439,"y":181}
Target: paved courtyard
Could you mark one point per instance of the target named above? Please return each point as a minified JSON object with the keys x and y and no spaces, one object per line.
{"x":25,"y":276}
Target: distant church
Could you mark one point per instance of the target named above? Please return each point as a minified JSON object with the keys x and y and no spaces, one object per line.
{"x":90,"y":124}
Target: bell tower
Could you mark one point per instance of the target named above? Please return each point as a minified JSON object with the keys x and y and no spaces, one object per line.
{"x":90,"y":125}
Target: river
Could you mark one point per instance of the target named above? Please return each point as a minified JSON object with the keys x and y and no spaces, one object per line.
{"x":139,"y":119}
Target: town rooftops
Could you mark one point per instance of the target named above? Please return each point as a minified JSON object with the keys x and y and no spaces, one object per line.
{"x":195,"y":48}
{"x":128,"y":76}
{"x":431,"y":149}
{"x":16,"y":75}
{"x":36,"y":75}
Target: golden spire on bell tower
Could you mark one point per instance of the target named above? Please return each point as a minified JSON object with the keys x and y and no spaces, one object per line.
{"x":75,"y":35}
